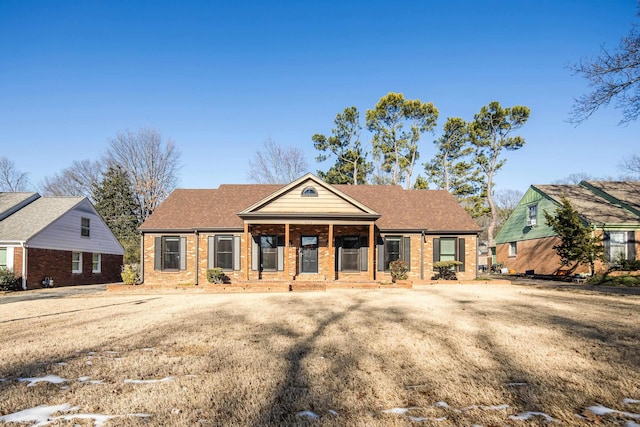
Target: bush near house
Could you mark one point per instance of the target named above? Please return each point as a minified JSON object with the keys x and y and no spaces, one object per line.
{"x":129,"y":274}
{"x":216,"y":275}
{"x":398,"y":270}
{"x":8,"y":280}
{"x":445,"y":270}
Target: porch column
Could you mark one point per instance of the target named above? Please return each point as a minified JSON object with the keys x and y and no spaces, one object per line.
{"x":372,"y":248}
{"x":247,"y":249}
{"x":331,"y":267}
{"x":286,"y":246}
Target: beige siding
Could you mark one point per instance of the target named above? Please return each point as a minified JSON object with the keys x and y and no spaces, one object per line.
{"x":294,"y":202}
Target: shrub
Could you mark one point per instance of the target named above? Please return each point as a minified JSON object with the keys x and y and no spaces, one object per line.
{"x":8,"y":280}
{"x":216,"y":275}
{"x":129,"y":274}
{"x":445,"y":270}
{"x":623,"y":264}
{"x":398,"y":270}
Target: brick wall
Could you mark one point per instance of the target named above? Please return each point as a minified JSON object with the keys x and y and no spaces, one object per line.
{"x":326,"y":265}
{"x":43,"y":263}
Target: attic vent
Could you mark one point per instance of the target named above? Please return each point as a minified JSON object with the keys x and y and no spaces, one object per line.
{"x":309,"y":192}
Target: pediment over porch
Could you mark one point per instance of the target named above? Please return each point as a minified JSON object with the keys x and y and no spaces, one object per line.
{"x":309,"y":197}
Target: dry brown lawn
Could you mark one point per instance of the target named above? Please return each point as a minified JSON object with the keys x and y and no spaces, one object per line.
{"x":444,"y":354}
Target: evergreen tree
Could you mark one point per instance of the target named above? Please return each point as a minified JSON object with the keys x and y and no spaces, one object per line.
{"x":577,"y":243}
{"x":115,"y":202}
{"x":351,"y":165}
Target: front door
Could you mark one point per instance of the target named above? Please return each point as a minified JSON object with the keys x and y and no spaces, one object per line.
{"x":309,"y":254}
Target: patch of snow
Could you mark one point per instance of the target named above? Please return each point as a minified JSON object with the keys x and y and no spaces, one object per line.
{"x":111,"y":352}
{"x":524,"y":416}
{"x":400,"y":411}
{"x":517,"y":384}
{"x":148,"y":349}
{"x":603,"y":410}
{"x":91,"y":353}
{"x":630,"y":401}
{"x":43,"y":415}
{"x":62,"y":363}
{"x":49,"y":379}
{"x":89,"y":380}
{"x":308,"y":414}
{"x":487,"y":407}
{"x":332,"y":412}
{"x":89,"y":362}
{"x":163,"y":380}
{"x":421,"y":419}
{"x":441,"y":404}
{"x":631,"y":424}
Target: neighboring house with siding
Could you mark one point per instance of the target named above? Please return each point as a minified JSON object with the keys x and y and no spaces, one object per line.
{"x":61,"y":238}
{"x":611,"y":208}
{"x":307,"y":230}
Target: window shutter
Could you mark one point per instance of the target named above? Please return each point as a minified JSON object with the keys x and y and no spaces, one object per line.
{"x":211,"y":260}
{"x":339,"y":253}
{"x":157,"y":257}
{"x":407,"y":251}
{"x":436,"y":249}
{"x":255,"y":253}
{"x":236,"y":253}
{"x":183,"y":253}
{"x":631,"y":245}
{"x":607,"y":245}
{"x":280,"y":253}
{"x":380,"y":254}
{"x":364,"y":253}
{"x":461,"y":252}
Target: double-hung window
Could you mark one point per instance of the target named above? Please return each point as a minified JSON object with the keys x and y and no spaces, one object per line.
{"x":513,"y":249}
{"x":392,"y":250}
{"x":449,"y":249}
{"x":85,"y":227}
{"x":224,"y":252}
{"x":76,"y":262}
{"x":532,"y":215}
{"x":350,"y":253}
{"x":4,"y":258}
{"x":616,"y":245}
{"x":96,"y":263}
{"x":269,"y":253}
{"x":170,"y":253}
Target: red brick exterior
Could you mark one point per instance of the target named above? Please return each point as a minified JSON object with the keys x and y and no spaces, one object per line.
{"x":421,"y":250}
{"x":56,"y":264}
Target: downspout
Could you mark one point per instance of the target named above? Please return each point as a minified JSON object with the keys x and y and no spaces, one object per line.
{"x":477,"y":256}
{"x":142,"y":258}
{"x":24,"y":266}
{"x":197,"y":255}
{"x":422,"y":242}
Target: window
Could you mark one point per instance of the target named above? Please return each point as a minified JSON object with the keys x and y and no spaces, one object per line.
{"x":76,"y":262}
{"x":309,"y":192}
{"x":513,"y":249}
{"x":96,"y":263}
{"x":616,"y":245}
{"x":450,"y":249}
{"x":532,"y":218}
{"x":350,"y":253}
{"x":170,"y":253}
{"x":269,"y":253}
{"x":3,"y":258}
{"x":392,"y":250}
{"x":85,"y":226}
{"x":224,"y":252}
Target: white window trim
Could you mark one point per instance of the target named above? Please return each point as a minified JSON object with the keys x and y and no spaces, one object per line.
{"x":79,"y":262}
{"x":513,"y":249}
{"x":99,"y":270}
{"x":9,"y":257}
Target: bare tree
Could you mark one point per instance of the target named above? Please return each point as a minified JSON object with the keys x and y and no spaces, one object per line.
{"x":613,"y":77}
{"x":78,"y":179}
{"x":12,"y":179}
{"x":506,"y":201}
{"x":150,"y":162}
{"x":277,"y":165}
{"x":631,"y":166}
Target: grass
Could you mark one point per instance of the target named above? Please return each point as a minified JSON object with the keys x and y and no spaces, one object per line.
{"x":259,"y":359}
{"x":607,"y":280}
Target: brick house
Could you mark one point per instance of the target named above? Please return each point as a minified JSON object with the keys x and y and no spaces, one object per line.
{"x":612,"y":209}
{"x":307,"y":230}
{"x":60,"y":238}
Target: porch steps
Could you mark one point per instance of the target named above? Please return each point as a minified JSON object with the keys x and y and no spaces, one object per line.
{"x":298,"y":286}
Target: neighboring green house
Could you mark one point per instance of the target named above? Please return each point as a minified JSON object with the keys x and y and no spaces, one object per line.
{"x":612,"y":208}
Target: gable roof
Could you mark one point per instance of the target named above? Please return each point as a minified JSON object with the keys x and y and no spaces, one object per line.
{"x":398,"y":209}
{"x":600,"y":202}
{"x":35,"y":217}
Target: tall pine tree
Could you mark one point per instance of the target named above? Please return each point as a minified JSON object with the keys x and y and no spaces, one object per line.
{"x":115,"y":202}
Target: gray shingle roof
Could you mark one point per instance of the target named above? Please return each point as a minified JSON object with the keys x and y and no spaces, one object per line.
{"x":33,"y":218}
{"x":11,"y":202}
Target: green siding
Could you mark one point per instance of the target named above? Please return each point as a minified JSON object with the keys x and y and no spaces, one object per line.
{"x":515,"y":228}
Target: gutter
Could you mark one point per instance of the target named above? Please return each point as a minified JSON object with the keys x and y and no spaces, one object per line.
{"x":24,"y":266}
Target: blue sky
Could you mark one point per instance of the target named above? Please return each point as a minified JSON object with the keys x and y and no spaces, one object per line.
{"x":219,"y":78}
